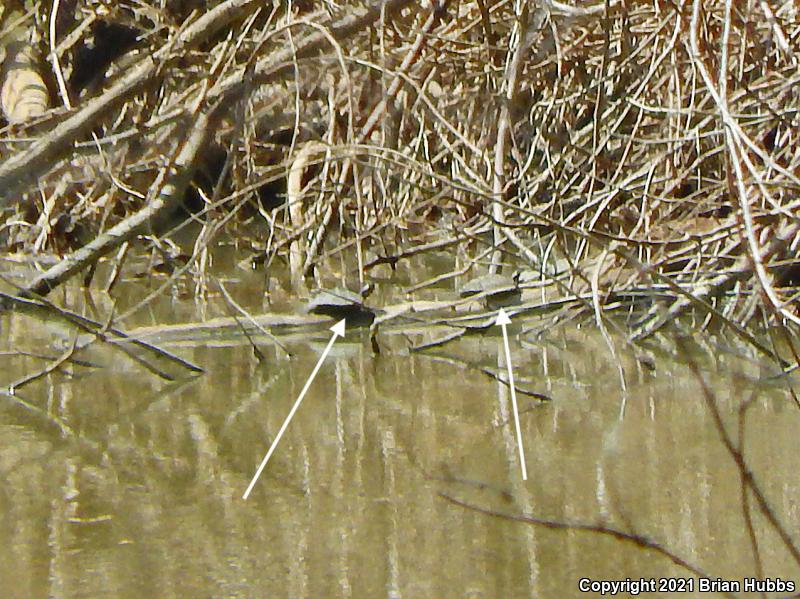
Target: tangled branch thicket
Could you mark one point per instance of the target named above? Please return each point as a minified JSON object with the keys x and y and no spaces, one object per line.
{"x":620,"y":149}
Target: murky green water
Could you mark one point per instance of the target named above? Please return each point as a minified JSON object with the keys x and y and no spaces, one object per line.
{"x":119,"y":484}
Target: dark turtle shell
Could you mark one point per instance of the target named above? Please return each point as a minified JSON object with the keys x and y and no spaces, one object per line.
{"x":497,"y":290}
{"x":341,"y":303}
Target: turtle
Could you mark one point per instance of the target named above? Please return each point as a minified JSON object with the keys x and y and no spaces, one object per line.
{"x":497,"y":291}
{"x":341,"y":303}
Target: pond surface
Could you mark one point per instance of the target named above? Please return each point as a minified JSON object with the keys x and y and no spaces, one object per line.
{"x":399,"y":475}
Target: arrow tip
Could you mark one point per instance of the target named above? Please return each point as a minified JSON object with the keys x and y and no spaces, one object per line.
{"x":502,"y":318}
{"x":338,"y":328}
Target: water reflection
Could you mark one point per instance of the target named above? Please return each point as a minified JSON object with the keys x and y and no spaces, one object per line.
{"x":138,"y":491}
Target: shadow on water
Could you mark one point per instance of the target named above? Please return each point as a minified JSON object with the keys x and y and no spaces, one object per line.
{"x":117,"y":484}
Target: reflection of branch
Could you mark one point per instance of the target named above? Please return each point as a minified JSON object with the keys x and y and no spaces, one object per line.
{"x":736,"y":453}
{"x":54,"y":365}
{"x":49,"y":418}
{"x":620,"y":535}
{"x":469,"y":365}
{"x":746,"y":513}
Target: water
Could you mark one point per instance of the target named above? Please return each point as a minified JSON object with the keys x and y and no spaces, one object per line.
{"x":119,"y":484}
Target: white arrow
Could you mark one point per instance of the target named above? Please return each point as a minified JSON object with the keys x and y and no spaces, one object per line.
{"x":503,"y":320}
{"x":338,"y":331}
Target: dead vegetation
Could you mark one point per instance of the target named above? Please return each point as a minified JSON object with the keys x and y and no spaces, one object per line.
{"x":622,"y":149}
